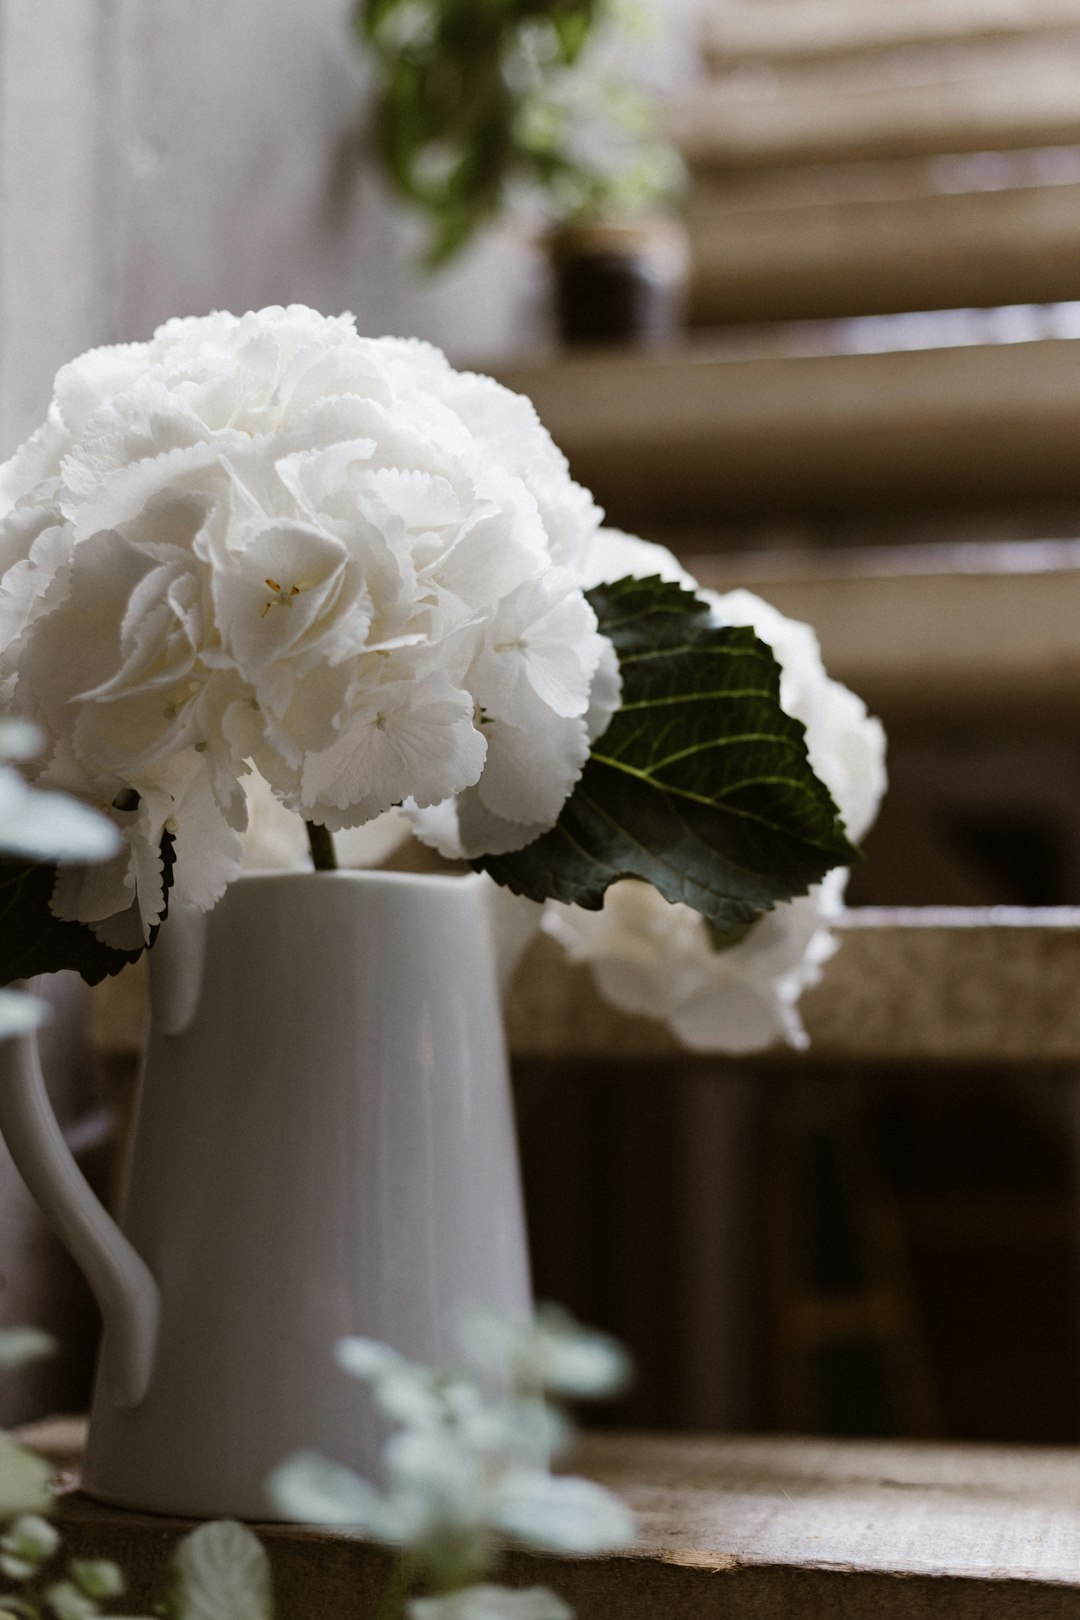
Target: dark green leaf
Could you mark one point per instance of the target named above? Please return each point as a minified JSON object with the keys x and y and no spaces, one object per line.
{"x":33,"y":940}
{"x":701,"y":784}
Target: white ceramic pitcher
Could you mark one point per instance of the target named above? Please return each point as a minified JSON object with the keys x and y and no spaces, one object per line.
{"x":324,"y":1146}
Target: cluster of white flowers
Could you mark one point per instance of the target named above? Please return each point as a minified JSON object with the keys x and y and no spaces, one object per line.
{"x":268,"y":542}
{"x":654,"y":958}
{"x":469,"y":1471}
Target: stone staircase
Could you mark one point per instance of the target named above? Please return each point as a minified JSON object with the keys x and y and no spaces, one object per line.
{"x":874,"y":421}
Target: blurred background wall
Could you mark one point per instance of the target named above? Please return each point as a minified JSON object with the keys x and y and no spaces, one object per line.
{"x":166,"y":157}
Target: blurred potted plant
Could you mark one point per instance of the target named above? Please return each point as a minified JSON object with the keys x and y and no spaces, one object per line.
{"x":476,"y":106}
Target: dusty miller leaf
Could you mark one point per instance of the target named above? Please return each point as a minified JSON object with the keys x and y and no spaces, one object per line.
{"x":221,"y":1572}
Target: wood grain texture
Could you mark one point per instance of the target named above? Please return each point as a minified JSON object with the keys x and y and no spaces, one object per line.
{"x":729,"y":1527}
{"x":670,"y":436}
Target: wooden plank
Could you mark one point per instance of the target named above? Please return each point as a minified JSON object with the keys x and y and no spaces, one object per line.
{"x":672,"y":436}
{"x":966,"y":986}
{"x":729,"y":1527}
{"x":778,"y":31}
{"x":994,"y":111}
{"x":937,"y":636}
{"x":939,"y":250}
{"x":958,"y":986}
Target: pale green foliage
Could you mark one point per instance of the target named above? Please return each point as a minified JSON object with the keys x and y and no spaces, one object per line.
{"x":468,"y":1473}
{"x":21,"y":1345}
{"x":551,"y":1354}
{"x":68,"y":1602}
{"x":221,"y":1572}
{"x":24,"y":1481}
{"x":491,"y":1603}
{"x":97,"y":1578}
{"x":27,"y":1543}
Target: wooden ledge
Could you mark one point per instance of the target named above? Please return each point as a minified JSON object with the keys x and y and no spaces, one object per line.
{"x":731,"y":1529}
{"x":964,"y":986}
{"x":957,"y":985}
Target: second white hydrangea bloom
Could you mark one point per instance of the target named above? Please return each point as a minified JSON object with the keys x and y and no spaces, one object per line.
{"x":657,"y":959}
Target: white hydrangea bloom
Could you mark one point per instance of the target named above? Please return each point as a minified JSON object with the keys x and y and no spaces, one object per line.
{"x":656,"y":959}
{"x":266,"y":543}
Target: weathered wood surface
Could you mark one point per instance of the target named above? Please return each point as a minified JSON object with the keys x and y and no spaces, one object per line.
{"x":780,"y":31}
{"x":730,"y":1529}
{"x":962,"y":986}
{"x":760,"y":258}
{"x":667,"y":437}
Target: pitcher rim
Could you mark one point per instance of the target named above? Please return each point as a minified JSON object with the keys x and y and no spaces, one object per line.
{"x":373,"y":876}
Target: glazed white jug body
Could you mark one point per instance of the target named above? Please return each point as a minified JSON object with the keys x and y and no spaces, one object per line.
{"x":324,"y":1146}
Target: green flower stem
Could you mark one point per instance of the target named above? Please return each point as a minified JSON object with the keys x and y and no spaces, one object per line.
{"x":323,"y":853}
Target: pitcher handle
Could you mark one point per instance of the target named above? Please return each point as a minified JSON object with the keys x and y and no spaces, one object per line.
{"x":121,"y":1280}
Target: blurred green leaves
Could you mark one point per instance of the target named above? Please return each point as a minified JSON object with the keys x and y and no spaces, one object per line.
{"x":475,"y":96}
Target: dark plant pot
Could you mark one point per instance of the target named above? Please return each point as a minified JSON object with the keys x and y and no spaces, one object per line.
{"x":622,"y":284}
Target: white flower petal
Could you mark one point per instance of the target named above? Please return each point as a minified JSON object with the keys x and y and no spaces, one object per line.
{"x":19,"y":1014}
{"x":264,"y":541}
{"x":531,"y":769}
{"x":406,"y":739}
{"x":552,"y":1352}
{"x":556,"y":1513}
{"x":313,"y":1490}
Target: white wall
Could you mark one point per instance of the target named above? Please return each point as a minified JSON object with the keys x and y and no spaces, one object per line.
{"x":162,"y":157}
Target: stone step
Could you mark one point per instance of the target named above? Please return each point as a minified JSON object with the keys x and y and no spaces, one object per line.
{"x":777,"y":31}
{"x":923,"y":985}
{"x":993,"y":107}
{"x":887,"y":238}
{"x":702,"y":435}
